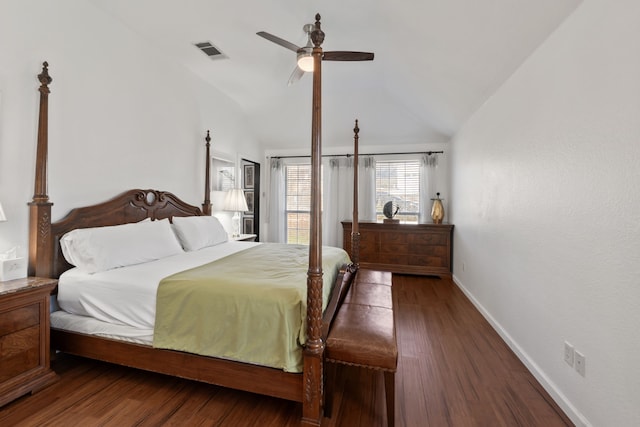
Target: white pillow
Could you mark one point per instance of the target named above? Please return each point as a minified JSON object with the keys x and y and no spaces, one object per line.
{"x":103,"y":248}
{"x":197,"y":232}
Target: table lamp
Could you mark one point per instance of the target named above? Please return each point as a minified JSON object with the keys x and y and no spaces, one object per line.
{"x":235,"y":202}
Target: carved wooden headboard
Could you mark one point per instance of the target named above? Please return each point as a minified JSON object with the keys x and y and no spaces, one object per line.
{"x":130,"y":206}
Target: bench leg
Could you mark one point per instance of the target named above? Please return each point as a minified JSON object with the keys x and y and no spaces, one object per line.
{"x":390,"y":393}
{"x":330,"y":378}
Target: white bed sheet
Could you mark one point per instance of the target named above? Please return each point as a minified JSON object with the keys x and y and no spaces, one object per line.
{"x":89,"y":326}
{"x":127,"y":296}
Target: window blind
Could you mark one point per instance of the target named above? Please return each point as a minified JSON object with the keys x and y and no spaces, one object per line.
{"x":298,"y":203}
{"x":398,"y":181}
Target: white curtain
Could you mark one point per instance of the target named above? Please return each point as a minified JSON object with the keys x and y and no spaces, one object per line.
{"x":367,"y":189}
{"x":337,"y":195}
{"x":275,"y":203}
{"x":428,"y":185}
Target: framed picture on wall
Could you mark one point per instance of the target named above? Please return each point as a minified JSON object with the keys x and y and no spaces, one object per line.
{"x":249,"y":176}
{"x":250,"y":205}
{"x":247,"y":225}
{"x":223,"y":174}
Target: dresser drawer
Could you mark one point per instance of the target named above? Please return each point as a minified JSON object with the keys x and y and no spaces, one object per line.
{"x":431,"y":250}
{"x":394,"y":248}
{"x":427,"y":261}
{"x":368,"y":246}
{"x":387,"y":237}
{"x":393,"y":258}
{"x":438,"y":239}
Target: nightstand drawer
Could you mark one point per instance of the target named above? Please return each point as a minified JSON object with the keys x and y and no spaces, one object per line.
{"x":19,"y":318}
{"x":19,"y":352}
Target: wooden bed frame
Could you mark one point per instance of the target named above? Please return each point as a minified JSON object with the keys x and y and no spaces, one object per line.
{"x":46,"y":260}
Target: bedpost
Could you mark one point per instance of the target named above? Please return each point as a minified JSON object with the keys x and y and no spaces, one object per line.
{"x":355,"y":230}
{"x":206,"y":206}
{"x":314,"y":349}
{"x":40,"y":244}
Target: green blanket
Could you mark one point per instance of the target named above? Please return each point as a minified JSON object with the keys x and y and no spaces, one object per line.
{"x":250,"y":306}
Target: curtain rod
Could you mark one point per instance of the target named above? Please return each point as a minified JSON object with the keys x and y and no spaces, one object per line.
{"x":428,"y":153}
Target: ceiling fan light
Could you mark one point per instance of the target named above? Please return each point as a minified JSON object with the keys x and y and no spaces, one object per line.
{"x":305,"y":62}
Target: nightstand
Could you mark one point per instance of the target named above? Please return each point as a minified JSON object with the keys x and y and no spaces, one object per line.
{"x":244,"y":238}
{"x":24,"y":337}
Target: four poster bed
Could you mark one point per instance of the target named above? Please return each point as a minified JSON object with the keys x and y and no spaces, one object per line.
{"x":51,"y":249}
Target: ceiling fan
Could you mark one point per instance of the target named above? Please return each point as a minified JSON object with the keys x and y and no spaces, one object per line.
{"x":304,"y":58}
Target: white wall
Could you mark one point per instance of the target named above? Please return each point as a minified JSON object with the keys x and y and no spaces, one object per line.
{"x":547,"y":211}
{"x":120,"y":113}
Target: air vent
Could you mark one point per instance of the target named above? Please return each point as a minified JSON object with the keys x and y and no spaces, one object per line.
{"x":210,"y":50}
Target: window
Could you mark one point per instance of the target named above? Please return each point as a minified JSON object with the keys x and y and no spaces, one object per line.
{"x":398,"y":181}
{"x":298,"y":203}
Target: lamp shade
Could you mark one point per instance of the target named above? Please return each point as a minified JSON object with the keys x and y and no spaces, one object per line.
{"x":2,"y":216}
{"x":235,"y":201}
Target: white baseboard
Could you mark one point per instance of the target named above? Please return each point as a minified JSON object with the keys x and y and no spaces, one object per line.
{"x":571,"y":411}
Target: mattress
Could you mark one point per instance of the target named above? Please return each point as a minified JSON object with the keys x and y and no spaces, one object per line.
{"x":127,"y":296}
{"x":62,"y":320}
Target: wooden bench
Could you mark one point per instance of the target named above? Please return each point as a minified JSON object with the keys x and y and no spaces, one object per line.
{"x":363,"y":334}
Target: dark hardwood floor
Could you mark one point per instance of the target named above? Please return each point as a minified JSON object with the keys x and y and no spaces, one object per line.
{"x":453,"y":370}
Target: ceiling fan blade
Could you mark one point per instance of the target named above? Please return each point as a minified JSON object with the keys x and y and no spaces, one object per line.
{"x":342,"y":55}
{"x":295,"y":75}
{"x":278,"y":40}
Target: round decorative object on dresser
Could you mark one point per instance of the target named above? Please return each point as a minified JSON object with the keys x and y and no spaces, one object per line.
{"x":437,"y":210}
{"x":390,"y":210}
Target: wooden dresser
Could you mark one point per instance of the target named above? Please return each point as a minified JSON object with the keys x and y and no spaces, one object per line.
{"x":24,"y":337}
{"x":403,"y":248}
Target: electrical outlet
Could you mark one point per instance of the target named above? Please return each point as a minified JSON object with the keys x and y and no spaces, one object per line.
{"x":568,"y":353}
{"x":581,"y":363}
{"x":463,"y":266}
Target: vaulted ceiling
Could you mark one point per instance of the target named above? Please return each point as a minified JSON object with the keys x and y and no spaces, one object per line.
{"x":436,"y":61}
